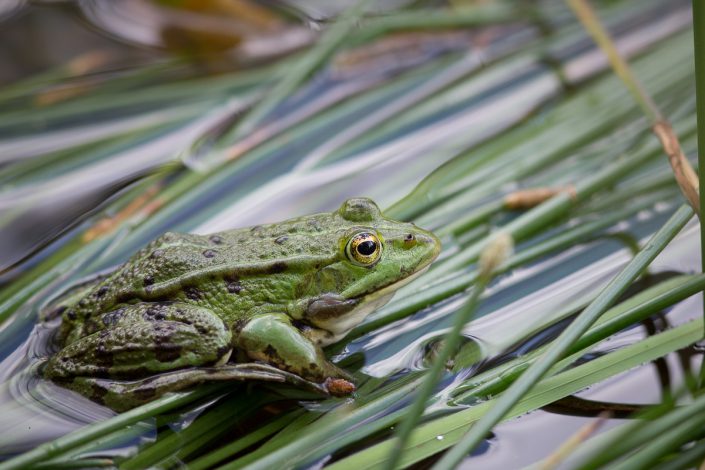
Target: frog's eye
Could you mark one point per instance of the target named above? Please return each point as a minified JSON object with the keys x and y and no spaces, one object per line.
{"x":364,"y":249}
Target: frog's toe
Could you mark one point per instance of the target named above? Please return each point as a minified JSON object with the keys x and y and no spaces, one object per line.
{"x":339,"y":387}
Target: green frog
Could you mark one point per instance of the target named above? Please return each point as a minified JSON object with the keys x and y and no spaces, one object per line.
{"x":254,"y":303}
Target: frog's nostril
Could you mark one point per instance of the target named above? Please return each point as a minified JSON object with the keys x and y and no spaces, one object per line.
{"x":409,"y":240}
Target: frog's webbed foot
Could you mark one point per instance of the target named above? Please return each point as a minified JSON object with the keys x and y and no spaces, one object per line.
{"x":273,"y":339}
{"x":121,"y":395}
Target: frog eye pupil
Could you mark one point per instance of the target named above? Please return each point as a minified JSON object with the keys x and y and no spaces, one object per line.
{"x":366,"y":248}
{"x":363,"y":249}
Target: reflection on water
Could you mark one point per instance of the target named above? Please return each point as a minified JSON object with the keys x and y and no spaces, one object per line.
{"x":35,"y":410}
{"x":248,"y":30}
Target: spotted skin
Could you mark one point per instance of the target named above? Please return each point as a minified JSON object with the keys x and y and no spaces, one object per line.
{"x":132,"y":340}
{"x":274,"y":294}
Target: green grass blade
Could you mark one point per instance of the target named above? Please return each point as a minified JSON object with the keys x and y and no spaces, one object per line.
{"x":571,"y":334}
{"x":424,"y":442}
{"x":699,"y":47}
{"x":451,"y":342}
{"x":294,"y":77}
{"x":88,"y":433}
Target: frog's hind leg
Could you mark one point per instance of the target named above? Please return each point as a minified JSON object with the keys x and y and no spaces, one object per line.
{"x":122,"y":395}
{"x":136,"y":341}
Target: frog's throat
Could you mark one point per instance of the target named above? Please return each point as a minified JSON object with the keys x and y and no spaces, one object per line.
{"x":337,"y":328}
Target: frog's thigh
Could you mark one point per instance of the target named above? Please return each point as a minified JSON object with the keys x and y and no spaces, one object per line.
{"x":143,"y":339}
{"x":273,"y":339}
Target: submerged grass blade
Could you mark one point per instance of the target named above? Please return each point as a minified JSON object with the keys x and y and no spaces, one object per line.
{"x":572,"y":443}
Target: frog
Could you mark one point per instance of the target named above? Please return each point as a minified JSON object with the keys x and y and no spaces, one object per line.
{"x":249,"y":304}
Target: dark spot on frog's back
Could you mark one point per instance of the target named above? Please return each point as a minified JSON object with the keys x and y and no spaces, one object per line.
{"x":165,"y":349}
{"x":154,"y":313}
{"x":215,"y":239}
{"x":193,"y":293}
{"x":101,"y":291}
{"x":257,"y":230}
{"x":148,"y":280}
{"x":313,"y":223}
{"x":234,"y":287}
{"x":232,"y":283}
{"x":281,"y":240}
{"x":157,"y":254}
{"x":111,"y":318}
{"x":278,"y":267}
{"x":209,"y":254}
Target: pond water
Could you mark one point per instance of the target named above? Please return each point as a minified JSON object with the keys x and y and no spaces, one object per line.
{"x":147,"y":101}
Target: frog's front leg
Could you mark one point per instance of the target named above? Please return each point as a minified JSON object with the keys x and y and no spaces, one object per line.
{"x":273,"y":338}
{"x":135,"y":341}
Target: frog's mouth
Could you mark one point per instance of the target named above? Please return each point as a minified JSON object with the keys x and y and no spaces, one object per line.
{"x":391,"y":288}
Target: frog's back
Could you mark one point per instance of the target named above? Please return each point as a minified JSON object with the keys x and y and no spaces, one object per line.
{"x":175,"y":266}
{"x":174,"y":259}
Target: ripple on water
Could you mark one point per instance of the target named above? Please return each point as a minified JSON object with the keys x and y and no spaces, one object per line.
{"x":35,"y":410}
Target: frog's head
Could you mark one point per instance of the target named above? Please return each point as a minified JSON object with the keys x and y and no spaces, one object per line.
{"x":375,"y":257}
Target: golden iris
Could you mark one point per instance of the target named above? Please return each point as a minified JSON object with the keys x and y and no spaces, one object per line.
{"x":364,"y":249}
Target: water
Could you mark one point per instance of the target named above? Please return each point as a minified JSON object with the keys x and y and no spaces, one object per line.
{"x":148,"y":106}
{"x":35,"y":410}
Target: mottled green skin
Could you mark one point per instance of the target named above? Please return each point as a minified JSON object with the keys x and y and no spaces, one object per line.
{"x":178,"y":310}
